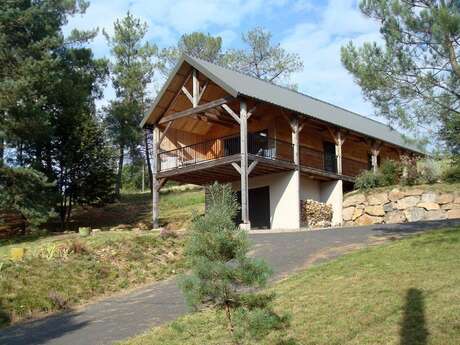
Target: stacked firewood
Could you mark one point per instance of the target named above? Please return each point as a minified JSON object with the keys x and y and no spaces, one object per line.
{"x":11,"y":223}
{"x":315,"y":214}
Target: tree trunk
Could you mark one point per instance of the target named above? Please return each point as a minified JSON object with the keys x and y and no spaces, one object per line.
{"x":147,"y":157}
{"x":2,"y":150}
{"x":120,"y":170}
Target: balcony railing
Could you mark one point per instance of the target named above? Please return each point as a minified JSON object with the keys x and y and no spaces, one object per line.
{"x":258,"y":144}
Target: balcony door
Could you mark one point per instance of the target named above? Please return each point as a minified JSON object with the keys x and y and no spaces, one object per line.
{"x":330,"y":160}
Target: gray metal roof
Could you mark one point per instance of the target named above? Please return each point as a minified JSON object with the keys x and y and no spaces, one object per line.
{"x":236,"y":83}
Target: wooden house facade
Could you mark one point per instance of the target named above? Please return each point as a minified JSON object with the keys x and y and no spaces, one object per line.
{"x":274,"y":145}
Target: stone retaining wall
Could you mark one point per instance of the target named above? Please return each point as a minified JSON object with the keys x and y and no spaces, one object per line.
{"x":400,"y":205}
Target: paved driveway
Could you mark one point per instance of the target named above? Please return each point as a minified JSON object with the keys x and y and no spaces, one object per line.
{"x":126,"y":315}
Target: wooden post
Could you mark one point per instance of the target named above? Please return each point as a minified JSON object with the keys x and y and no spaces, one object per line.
{"x":155,"y":184}
{"x":338,"y":150}
{"x":375,"y":151}
{"x":295,"y":125}
{"x":196,"y":88}
{"x":244,"y":167}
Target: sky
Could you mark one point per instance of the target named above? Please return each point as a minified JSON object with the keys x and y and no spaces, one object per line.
{"x":313,"y":29}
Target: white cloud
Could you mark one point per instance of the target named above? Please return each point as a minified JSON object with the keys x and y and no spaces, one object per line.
{"x":318,"y":42}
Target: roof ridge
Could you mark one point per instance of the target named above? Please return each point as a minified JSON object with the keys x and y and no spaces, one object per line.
{"x":291,"y":90}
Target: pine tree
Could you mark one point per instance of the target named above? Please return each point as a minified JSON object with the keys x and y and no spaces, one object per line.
{"x":132,"y":71}
{"x":224,"y":276}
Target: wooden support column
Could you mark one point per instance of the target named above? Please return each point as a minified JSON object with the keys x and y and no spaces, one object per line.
{"x":339,"y":139}
{"x":196,"y":88}
{"x":338,"y":150}
{"x":244,"y":166}
{"x":155,"y":182}
{"x":375,"y":151}
{"x":295,"y":126}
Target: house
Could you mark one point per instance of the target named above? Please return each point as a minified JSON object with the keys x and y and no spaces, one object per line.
{"x":274,"y":145}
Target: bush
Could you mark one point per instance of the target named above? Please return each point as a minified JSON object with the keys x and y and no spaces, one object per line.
{"x":428,"y":172}
{"x":452,"y":174}
{"x":389,"y":173}
{"x":367,"y":180}
{"x":410,"y":173}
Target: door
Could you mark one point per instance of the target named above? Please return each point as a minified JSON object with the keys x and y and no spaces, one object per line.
{"x":259,"y":208}
{"x":330,"y":160}
{"x":258,"y":143}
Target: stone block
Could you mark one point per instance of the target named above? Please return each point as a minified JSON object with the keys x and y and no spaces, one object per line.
{"x":414,"y":214}
{"x":445,"y":198}
{"x":395,"y":217}
{"x":347,"y":213}
{"x":436,"y":214}
{"x":413,"y":192}
{"x":408,"y":201}
{"x":366,"y":219}
{"x":388,"y":207}
{"x":376,"y":210}
{"x":358,"y":213}
{"x":395,"y":194}
{"x":452,"y":214}
{"x":429,"y":205}
{"x":377,"y":198}
{"x":354,"y":200}
{"x":429,"y":197}
{"x":450,"y":206}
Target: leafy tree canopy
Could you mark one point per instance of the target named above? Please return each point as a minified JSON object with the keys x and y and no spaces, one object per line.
{"x":196,"y":44}
{"x":260,"y":58}
{"x":26,"y":191}
{"x":412,"y":77}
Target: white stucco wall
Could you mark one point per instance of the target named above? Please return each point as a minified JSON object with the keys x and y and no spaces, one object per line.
{"x":309,"y":189}
{"x":284,"y":198}
{"x":331,"y":193}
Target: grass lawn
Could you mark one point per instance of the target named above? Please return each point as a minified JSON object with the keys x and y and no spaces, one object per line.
{"x":63,"y":270}
{"x":406,"y":293}
{"x":134,"y":210}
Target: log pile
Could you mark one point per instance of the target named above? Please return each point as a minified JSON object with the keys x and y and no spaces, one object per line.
{"x":11,"y":224}
{"x":315,"y":214}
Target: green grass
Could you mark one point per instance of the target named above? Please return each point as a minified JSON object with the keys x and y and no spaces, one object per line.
{"x":64,"y":270}
{"x":58,"y":274}
{"x":134,"y":210}
{"x":403,"y":293}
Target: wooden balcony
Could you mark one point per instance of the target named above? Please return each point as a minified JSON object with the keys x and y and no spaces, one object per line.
{"x":212,"y":160}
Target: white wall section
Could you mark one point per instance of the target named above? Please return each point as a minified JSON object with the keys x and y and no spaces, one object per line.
{"x":284,"y":198}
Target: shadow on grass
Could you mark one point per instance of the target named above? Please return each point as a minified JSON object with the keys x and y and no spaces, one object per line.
{"x":413,"y":326}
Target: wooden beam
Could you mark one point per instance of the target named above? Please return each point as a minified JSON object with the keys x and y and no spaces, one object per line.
{"x":252,"y":166}
{"x":163,"y":134}
{"x":196,"y":88}
{"x":203,"y":89}
{"x":295,"y":140}
{"x":189,"y":96}
{"x":196,"y":110}
{"x":244,"y":167}
{"x":155,"y":183}
{"x":176,"y":95}
{"x":237,"y":167}
{"x":200,"y":166}
{"x":161,"y":183}
{"x":231,"y":113}
{"x":251,"y":111}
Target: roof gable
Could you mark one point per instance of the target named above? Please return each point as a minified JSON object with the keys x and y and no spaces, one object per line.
{"x":236,"y":84}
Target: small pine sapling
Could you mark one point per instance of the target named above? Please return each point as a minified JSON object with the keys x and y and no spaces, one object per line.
{"x":224,"y":276}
